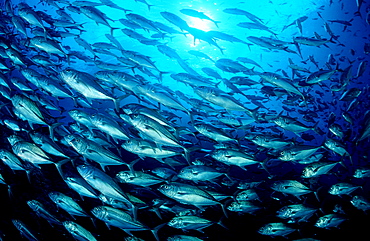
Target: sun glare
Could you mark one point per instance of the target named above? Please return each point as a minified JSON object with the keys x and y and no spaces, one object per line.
{"x":201,"y":24}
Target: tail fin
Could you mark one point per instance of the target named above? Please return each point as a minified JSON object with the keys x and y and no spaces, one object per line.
{"x":156,"y":229}
{"x":149,"y":6}
{"x":216,"y":23}
{"x":111,"y":30}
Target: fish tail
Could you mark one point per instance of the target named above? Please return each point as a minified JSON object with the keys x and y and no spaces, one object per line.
{"x":186,"y":155}
{"x":59,"y":164}
{"x":161,"y":73}
{"x":216,"y":23}
{"x":118,"y":100}
{"x":149,"y":5}
{"x":156,"y":229}
{"x":51,"y":129}
{"x":111,"y":30}
{"x":131,"y":165}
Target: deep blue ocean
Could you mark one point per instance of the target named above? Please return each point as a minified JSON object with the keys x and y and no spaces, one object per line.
{"x":263,"y":37}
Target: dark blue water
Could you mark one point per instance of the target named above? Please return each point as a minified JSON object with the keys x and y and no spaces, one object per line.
{"x":347,"y":47}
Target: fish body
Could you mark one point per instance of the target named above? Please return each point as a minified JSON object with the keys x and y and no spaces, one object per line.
{"x":197,"y":173}
{"x":360,"y":203}
{"x":298,"y":212}
{"x":310,"y":41}
{"x":41,"y":211}
{"x":30,"y":152}
{"x":298,"y":152}
{"x":362,"y":172}
{"x":317,"y":168}
{"x":93,"y":151}
{"x":96,"y":15}
{"x":197,"y":14}
{"x":102,"y":182}
{"x":275,"y":229}
{"x":48,"y":45}
{"x":175,"y":20}
{"x":237,"y":11}
{"x":189,"y":223}
{"x":292,"y":187}
{"x":220,"y":98}
{"x":24,"y":230}
{"x":187,"y":194}
{"x":342,"y":188}
{"x":247,"y":195}
{"x":234,"y":157}
{"x":11,"y":160}
{"x":212,"y":132}
{"x":151,"y":130}
{"x":79,"y":185}
{"x":47,"y":144}
{"x":138,"y":178}
{"x":67,"y":204}
{"x":291,"y":124}
{"x":243,"y":207}
{"x":336,"y":147}
{"x":85,"y":84}
{"x":117,"y":218}
{"x":109,"y":126}
{"x":329,"y":221}
{"x":145,"y":148}
{"x":281,"y":82}
{"x":78,"y":232}
{"x":30,"y":16}
{"x":270,"y":142}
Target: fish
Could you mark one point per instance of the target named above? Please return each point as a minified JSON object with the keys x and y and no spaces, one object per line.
{"x":293,"y":125}
{"x":24,"y":230}
{"x":197,"y":14}
{"x":237,"y":11}
{"x":281,"y":82}
{"x":91,"y":150}
{"x":222,"y":99}
{"x":275,"y":229}
{"x":317,"y":168}
{"x":311,"y":41}
{"x":255,"y":25}
{"x":77,"y":231}
{"x":120,"y":219}
{"x":42,"y":212}
{"x":175,"y":20}
{"x":297,"y":212}
{"x":342,"y":188}
{"x":292,"y":187}
{"x":146,"y":3}
{"x":234,"y":157}
{"x":360,"y":202}
{"x":96,"y":15}
{"x":329,"y":221}
{"x":188,"y":194}
{"x":102,"y":182}
{"x":67,"y":204}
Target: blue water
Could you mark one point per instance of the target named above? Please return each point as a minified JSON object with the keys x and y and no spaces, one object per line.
{"x":348,"y":50}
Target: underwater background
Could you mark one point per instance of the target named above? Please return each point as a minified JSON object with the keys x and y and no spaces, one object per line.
{"x":256,"y":93}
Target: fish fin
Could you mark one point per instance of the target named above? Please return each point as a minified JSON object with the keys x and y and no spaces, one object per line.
{"x":59,"y":164}
{"x":156,"y":229}
{"x":149,"y":5}
{"x":216,"y":23}
{"x":118,"y":100}
{"x":111,"y":30}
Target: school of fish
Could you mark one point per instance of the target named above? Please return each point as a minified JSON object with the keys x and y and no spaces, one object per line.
{"x":246,"y":152}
